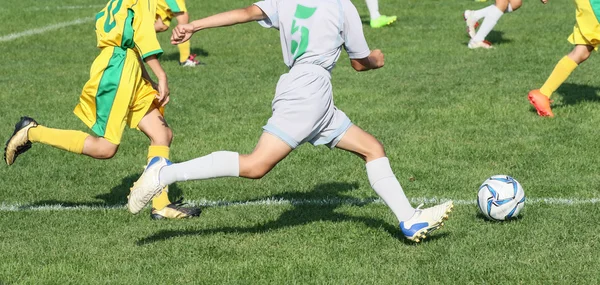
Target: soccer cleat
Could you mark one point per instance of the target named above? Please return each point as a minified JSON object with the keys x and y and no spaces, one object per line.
{"x":191,"y":61}
{"x":175,"y":210}
{"x":425,"y":221}
{"x":382,"y":21}
{"x":19,"y":141}
{"x":482,"y":44}
{"x":541,"y":103}
{"x":147,"y":186}
{"x":472,"y":24}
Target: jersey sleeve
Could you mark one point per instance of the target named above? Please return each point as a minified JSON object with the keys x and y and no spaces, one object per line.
{"x":354,"y":40}
{"x":145,"y":36}
{"x":269,"y":7}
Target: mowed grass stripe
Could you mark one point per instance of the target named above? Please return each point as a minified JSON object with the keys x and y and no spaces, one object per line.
{"x":18,"y":207}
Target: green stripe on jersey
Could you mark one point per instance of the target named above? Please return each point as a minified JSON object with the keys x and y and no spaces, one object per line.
{"x":596,"y":8}
{"x":127,"y":36}
{"x":107,"y":89}
{"x":173,"y":6}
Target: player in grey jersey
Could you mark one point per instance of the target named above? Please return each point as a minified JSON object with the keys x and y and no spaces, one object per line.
{"x":312,"y":34}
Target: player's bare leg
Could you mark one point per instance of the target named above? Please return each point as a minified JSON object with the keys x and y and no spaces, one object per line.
{"x":160,"y":26}
{"x":491,"y":15}
{"x":186,"y":58}
{"x":27,"y":131}
{"x":414,"y":223}
{"x":269,"y":151}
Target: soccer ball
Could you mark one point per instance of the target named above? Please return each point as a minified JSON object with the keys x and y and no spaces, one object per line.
{"x":500,"y":198}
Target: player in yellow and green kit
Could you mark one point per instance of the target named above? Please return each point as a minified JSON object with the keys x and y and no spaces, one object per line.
{"x":586,"y":38}
{"x":119,"y":92}
{"x":165,"y":12}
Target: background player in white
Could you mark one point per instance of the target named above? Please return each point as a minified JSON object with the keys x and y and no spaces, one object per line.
{"x":491,"y":15}
{"x":312,"y":34}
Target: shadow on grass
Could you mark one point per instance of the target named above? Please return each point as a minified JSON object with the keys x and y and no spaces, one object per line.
{"x":200,"y":52}
{"x":116,"y":197}
{"x":573,"y":94}
{"x":297,"y":216}
{"x":496,"y":37}
{"x":516,"y":219}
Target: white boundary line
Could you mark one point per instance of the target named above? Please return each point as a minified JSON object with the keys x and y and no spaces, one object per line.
{"x":21,"y":207}
{"x":42,"y":30}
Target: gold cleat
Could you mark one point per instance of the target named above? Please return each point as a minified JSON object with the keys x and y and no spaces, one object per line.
{"x":175,"y":211}
{"x":19,"y":141}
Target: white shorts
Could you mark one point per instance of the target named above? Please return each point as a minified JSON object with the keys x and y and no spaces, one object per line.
{"x":303,"y":109}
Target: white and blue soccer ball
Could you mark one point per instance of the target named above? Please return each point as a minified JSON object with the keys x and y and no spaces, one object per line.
{"x":500,"y":198}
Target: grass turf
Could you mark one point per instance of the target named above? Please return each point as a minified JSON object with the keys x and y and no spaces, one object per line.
{"x":449,"y":118}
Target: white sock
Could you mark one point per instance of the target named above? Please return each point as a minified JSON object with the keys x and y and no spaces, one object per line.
{"x":216,"y":164}
{"x":508,"y":9}
{"x":481,"y":13}
{"x":373,"y":6}
{"x":488,"y":24}
{"x":386,"y":185}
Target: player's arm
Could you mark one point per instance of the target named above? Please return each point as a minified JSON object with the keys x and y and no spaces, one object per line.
{"x":182,"y":33}
{"x":373,"y":61}
{"x":163,"y":87}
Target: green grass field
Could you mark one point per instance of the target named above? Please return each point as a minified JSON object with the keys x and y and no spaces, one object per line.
{"x":448,"y":116}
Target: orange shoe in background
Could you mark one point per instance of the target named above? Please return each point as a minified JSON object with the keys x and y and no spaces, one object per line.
{"x":541,"y":103}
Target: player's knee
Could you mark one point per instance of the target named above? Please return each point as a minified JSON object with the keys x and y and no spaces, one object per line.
{"x":107,"y":151}
{"x":160,"y":27}
{"x":257,"y":172}
{"x":374,"y":151}
{"x":252,"y":168}
{"x":165,"y":138}
{"x":516,"y":5}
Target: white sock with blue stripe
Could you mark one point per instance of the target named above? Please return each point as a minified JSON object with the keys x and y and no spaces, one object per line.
{"x":386,"y":185}
{"x":216,"y":164}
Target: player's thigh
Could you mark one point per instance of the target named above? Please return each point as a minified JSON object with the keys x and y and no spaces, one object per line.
{"x":502,"y":4}
{"x":155,"y":127}
{"x":361,"y":143}
{"x":515,"y":4}
{"x":269,"y":151}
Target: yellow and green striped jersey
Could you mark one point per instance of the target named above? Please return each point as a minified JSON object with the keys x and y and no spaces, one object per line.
{"x":128,"y":24}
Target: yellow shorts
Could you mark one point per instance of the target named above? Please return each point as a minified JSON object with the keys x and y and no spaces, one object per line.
{"x":115,"y":95}
{"x":166,"y":9}
{"x":587,"y":28}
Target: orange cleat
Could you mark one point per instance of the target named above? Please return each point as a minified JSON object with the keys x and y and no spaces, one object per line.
{"x":541,"y":103}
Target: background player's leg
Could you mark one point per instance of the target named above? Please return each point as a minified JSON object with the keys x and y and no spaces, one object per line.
{"x":184,"y":48}
{"x":268,"y":152}
{"x":379,"y":171}
{"x":492,"y":14}
{"x":378,"y":20}
{"x":540,"y":98}
{"x":155,"y":127}
{"x":160,"y":26}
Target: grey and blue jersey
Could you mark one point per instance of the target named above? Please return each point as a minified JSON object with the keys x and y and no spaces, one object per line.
{"x":312,"y":34}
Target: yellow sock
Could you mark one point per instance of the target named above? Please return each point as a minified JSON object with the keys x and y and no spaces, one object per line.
{"x":162,"y":200}
{"x":561,"y":72}
{"x":68,"y":140}
{"x":184,"y":51}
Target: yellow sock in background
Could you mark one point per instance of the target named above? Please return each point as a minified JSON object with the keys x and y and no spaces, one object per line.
{"x":561,"y":72}
{"x":68,"y":140}
{"x":184,"y":51}
{"x":162,"y":200}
